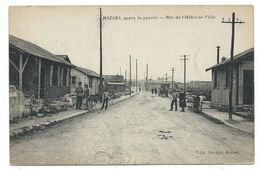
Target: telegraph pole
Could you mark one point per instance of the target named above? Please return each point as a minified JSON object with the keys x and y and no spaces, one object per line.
{"x":130,"y":81}
{"x":218,"y":47}
{"x":184,"y":72}
{"x":233,"y":22}
{"x":125,"y":76}
{"x":166,"y":79}
{"x":146,"y":72}
{"x":100,"y":74}
{"x":136,"y":76}
{"x":172,"y":75}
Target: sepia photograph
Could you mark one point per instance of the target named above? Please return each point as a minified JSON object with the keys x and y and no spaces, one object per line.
{"x":131,"y":85}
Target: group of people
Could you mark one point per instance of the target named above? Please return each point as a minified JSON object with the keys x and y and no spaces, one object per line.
{"x":182,"y":101}
{"x":85,"y":94}
{"x":163,"y":92}
{"x":81,"y":94}
{"x":196,"y":105}
{"x":154,"y":90}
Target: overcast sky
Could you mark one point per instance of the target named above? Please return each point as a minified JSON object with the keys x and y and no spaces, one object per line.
{"x":158,"y":42}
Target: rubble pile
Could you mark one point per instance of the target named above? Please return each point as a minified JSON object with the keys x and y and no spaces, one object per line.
{"x":43,"y":107}
{"x":118,"y":95}
{"x":114,"y":95}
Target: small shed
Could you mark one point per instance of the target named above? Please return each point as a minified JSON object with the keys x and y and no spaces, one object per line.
{"x":115,"y":87}
{"x":114,"y":78}
{"x":86,"y":76}
{"x":115,"y":83}
{"x":243,"y":80}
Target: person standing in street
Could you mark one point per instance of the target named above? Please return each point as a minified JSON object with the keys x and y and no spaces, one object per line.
{"x":86,"y":95}
{"x":182,"y":101}
{"x":79,"y":91}
{"x":174,"y":100}
{"x":105,"y":98}
{"x":196,"y":103}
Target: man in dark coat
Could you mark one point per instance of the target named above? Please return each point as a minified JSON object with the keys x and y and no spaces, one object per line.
{"x":182,"y":101}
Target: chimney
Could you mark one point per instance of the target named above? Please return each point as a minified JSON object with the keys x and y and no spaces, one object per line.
{"x":218,"y":54}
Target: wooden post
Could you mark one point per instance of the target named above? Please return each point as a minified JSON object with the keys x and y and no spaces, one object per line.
{"x":67,"y":77}
{"x":233,"y":22}
{"x":100,"y":64}
{"x":58,"y":81}
{"x":232,"y":66}
{"x":136,"y":76}
{"x":146,"y":72}
{"x":20,"y":81}
{"x":51,"y":74}
{"x":61,"y":76}
{"x":39,"y":78}
{"x":20,"y":72}
{"x":172,"y":76}
{"x":68,"y":80}
{"x":218,"y":54}
{"x":130,"y":80}
{"x":125,"y":75}
{"x":166,"y":78}
{"x":20,"y":69}
{"x":184,"y":74}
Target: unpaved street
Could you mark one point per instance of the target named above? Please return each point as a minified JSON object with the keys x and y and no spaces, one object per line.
{"x":140,"y":130}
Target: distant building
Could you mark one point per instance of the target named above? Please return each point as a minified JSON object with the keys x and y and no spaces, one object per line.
{"x":243,"y":80}
{"x":115,"y":83}
{"x":196,"y":85}
{"x":202,"y":85}
{"x":151,"y":84}
{"x":175,"y":84}
{"x":86,"y":76}
{"x":114,"y":78}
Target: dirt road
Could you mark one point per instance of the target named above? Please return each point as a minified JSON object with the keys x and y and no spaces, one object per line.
{"x":140,"y":130}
